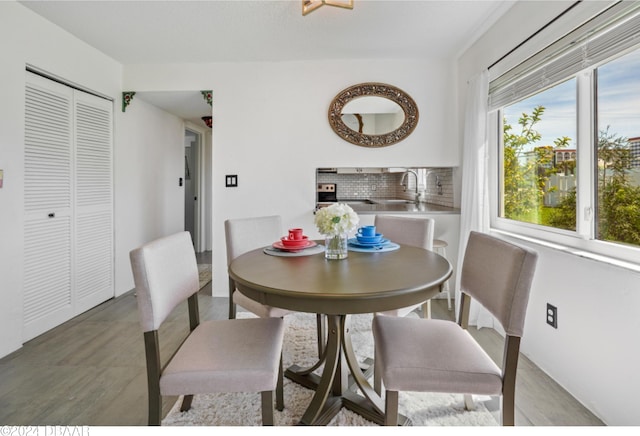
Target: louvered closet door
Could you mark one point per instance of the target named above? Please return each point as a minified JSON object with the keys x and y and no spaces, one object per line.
{"x":93,"y":201}
{"x":68,"y":250}
{"x":48,"y":198}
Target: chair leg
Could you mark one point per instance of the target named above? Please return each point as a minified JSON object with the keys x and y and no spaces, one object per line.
{"x":445,"y":285}
{"x":510,"y":366}
{"x":186,"y":403}
{"x":232,"y":305}
{"x":426,"y":309}
{"x":468,"y":402}
{"x":391,"y":408}
{"x":267,"y":407}
{"x":152,"y":356}
{"x":155,"y":409}
{"x":377,"y":376}
{"x":508,"y":411}
{"x":280,"y":389}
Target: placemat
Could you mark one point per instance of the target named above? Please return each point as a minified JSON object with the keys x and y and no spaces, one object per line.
{"x":305,"y":252}
{"x":391,"y":246}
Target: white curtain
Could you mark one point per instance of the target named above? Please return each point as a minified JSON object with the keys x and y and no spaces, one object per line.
{"x":474,"y":207}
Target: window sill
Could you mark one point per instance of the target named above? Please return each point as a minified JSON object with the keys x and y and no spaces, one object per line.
{"x":572,"y":250}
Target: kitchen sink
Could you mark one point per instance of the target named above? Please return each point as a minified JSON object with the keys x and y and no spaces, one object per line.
{"x":390,"y":201}
{"x":356,"y":201}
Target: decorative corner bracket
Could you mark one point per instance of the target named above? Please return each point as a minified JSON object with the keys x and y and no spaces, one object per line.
{"x":126,"y":99}
{"x":208,"y":96}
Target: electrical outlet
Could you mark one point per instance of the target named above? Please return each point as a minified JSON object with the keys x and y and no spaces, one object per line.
{"x":552,"y":316}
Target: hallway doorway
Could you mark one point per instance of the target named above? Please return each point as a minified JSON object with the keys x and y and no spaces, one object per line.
{"x":191,"y":106}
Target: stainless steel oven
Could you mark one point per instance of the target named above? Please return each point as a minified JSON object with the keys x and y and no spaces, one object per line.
{"x":326,"y":194}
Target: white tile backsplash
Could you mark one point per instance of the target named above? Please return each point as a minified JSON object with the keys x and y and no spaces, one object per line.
{"x":387,"y":185}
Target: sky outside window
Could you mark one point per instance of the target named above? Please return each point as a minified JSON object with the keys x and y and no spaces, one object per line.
{"x":559,"y":118}
{"x":618,"y":103}
{"x":619,"y":96}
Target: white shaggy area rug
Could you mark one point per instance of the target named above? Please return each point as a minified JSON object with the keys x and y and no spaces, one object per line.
{"x":243,"y":409}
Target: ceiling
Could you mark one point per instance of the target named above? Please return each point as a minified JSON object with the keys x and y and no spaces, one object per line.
{"x":143,"y":32}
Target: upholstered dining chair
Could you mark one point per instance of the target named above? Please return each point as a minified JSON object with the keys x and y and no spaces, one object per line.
{"x":413,"y":231}
{"x":246,"y":234}
{"x":430,"y":355}
{"x":243,"y":355}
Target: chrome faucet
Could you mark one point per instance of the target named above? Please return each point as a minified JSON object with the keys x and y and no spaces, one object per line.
{"x":404,"y":182}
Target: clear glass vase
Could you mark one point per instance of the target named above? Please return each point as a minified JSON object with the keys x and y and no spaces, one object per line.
{"x":336,"y":246}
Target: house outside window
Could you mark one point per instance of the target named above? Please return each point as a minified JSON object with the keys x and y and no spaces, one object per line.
{"x":634,"y":145}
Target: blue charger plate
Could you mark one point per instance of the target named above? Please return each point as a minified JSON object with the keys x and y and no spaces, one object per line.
{"x":356,"y":243}
{"x":390,"y":246}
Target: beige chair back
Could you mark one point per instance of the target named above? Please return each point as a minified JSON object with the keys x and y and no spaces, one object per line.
{"x":417,"y":232}
{"x":165,"y":273}
{"x":246,"y":234}
{"x":498,"y":275}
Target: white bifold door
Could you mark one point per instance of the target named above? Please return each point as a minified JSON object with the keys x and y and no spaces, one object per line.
{"x":68,"y":203}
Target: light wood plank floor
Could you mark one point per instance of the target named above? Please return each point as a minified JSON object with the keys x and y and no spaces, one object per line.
{"x":91,"y":371}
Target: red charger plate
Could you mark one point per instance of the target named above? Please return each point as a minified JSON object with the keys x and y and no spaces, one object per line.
{"x":281,"y":246}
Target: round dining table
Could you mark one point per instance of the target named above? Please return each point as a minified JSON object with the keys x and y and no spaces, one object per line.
{"x":364,"y":282}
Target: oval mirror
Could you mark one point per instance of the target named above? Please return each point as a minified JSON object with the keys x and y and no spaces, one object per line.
{"x":373,"y":114}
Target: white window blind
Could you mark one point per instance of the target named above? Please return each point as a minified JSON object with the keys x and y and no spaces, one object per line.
{"x":610,"y":33}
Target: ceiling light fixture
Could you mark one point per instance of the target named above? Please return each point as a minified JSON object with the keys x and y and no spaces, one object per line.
{"x":208,"y":121}
{"x":311,"y":5}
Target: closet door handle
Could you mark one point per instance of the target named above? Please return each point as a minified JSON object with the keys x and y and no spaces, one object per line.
{"x":52,"y":215}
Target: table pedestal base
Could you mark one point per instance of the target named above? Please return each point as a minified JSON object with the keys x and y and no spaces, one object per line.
{"x":336,"y":388}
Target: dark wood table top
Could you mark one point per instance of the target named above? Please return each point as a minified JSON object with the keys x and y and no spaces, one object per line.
{"x":361,"y":283}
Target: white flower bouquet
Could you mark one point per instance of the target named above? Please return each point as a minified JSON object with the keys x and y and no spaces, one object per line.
{"x":336,"y":219}
{"x":334,"y":222}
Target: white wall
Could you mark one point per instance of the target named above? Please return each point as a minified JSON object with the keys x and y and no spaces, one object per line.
{"x":25,"y":38}
{"x":271,"y":129}
{"x":148,"y":153}
{"x":148,"y":161}
{"x":594,"y":353}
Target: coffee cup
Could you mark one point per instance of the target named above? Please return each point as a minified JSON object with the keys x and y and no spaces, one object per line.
{"x":295,"y":234}
{"x":367,"y":231}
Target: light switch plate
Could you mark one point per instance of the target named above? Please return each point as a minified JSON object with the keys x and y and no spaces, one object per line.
{"x":231,"y":181}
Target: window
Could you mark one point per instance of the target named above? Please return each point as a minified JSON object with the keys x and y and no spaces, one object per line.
{"x":568,"y":128}
{"x":618,"y":150}
{"x":539,"y":158}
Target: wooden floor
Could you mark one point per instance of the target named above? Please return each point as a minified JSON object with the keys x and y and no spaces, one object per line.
{"x":91,"y":371}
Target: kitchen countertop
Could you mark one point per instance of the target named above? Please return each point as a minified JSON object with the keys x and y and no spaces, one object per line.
{"x":397,"y":206}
